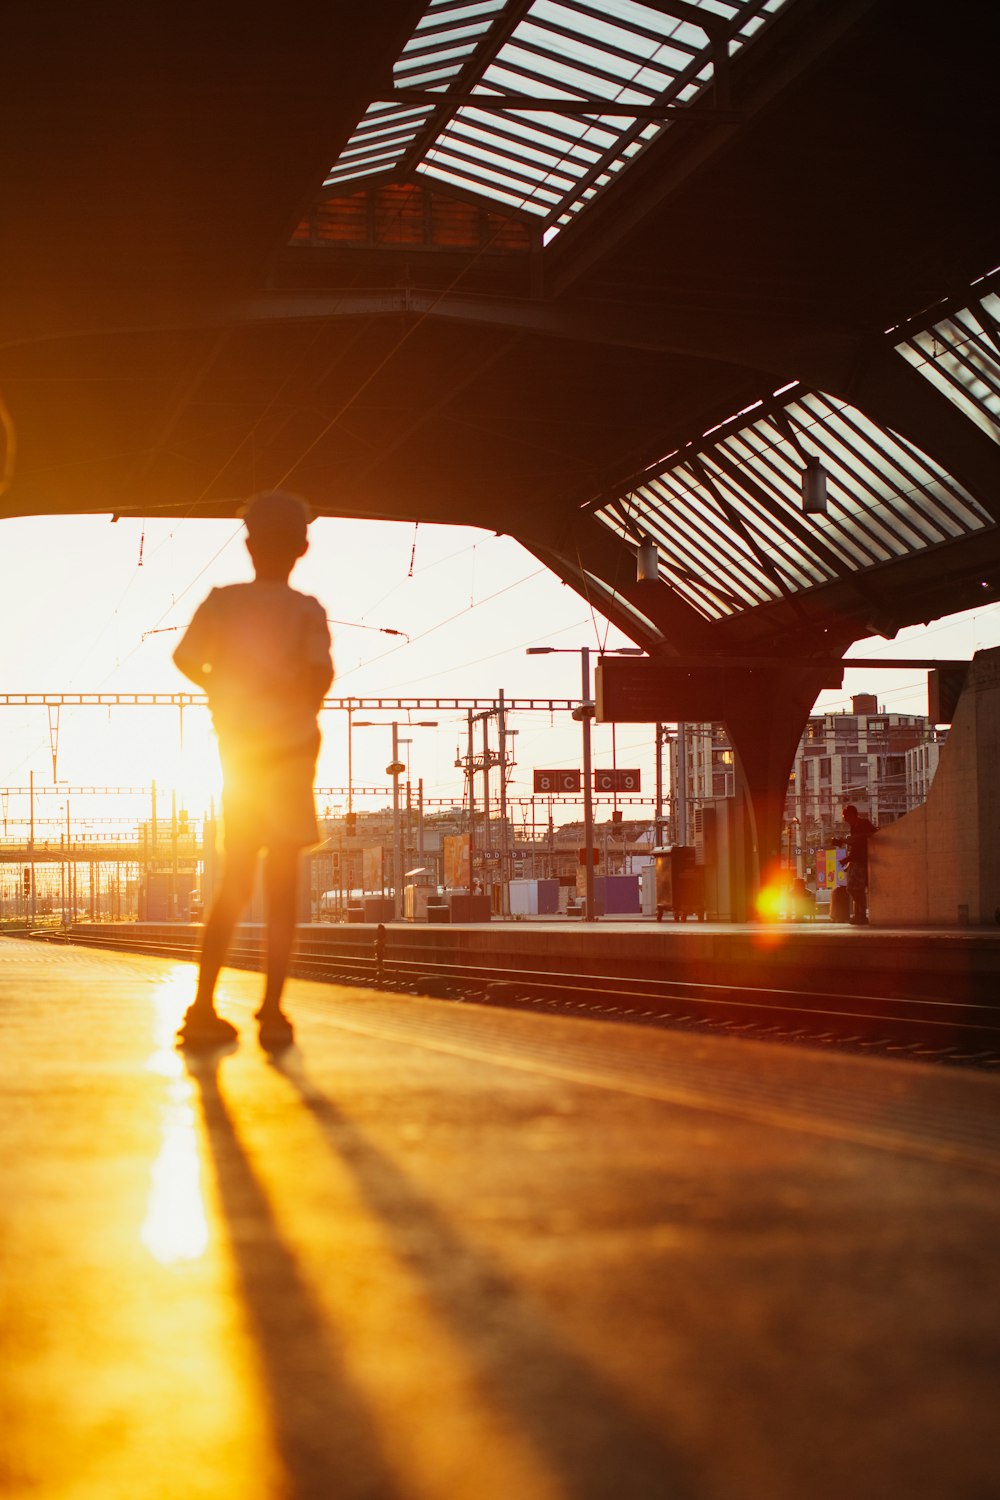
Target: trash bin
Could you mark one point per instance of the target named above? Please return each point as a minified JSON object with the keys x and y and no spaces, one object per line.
{"x":679,"y":882}
{"x":378,"y":909}
{"x":840,"y":904}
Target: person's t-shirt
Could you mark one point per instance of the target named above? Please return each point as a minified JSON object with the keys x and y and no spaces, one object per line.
{"x":862,"y":830}
{"x":261,"y":647}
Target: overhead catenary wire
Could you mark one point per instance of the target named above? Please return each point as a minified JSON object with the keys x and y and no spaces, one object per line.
{"x":441,"y":623}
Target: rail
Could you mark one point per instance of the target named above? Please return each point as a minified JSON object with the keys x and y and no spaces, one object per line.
{"x":935,"y":1029}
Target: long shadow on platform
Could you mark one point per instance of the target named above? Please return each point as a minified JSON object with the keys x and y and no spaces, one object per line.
{"x":577,"y":1421}
{"x":321,"y":1427}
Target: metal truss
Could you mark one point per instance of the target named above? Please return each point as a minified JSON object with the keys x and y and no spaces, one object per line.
{"x":76,"y":791}
{"x":343,"y":705}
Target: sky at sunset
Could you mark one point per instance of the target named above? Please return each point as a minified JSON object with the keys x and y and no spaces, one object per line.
{"x":94,"y":606}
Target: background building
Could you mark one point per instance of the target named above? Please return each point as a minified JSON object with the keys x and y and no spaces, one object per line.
{"x":883,"y":762}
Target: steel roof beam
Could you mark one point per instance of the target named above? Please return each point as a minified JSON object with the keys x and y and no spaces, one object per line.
{"x":537,"y":104}
{"x":890,"y":391}
{"x":616,"y":214}
{"x":498,"y":34}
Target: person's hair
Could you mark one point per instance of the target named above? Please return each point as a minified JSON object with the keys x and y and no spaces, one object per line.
{"x":850,"y":808}
{"x":276,"y":518}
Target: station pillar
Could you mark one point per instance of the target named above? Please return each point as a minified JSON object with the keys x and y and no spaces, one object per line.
{"x":764,"y":721}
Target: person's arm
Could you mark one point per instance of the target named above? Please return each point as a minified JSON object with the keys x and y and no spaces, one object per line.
{"x":317,"y":666}
{"x":194,"y":655}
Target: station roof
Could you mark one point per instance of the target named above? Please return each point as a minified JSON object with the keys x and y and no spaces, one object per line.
{"x":589,"y":274}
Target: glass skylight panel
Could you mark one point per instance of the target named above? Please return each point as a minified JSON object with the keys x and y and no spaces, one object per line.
{"x":446,"y":37}
{"x":433,"y":39}
{"x":960,"y":355}
{"x":621,"y":51}
{"x":727,"y":519}
{"x":435,"y":56}
{"x":501,"y":148}
{"x":496,"y":193}
{"x":380,"y":141}
{"x":524,"y":142}
{"x":484,"y":167}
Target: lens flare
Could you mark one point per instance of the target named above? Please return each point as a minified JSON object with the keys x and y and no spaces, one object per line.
{"x":770,"y":902}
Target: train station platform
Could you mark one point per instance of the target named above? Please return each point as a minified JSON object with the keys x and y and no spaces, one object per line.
{"x":451,"y":1252}
{"x":830,"y":968}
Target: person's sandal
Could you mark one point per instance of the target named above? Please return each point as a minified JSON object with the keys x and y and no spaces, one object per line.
{"x":276,"y":1030}
{"x":203,"y":1030}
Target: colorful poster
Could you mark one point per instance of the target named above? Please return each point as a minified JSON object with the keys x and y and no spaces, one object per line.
{"x":371,"y":874}
{"x":456,"y":860}
{"x":830,"y":869}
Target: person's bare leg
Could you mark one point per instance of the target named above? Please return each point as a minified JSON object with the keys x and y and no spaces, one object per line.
{"x":281,"y":882}
{"x":234,"y":893}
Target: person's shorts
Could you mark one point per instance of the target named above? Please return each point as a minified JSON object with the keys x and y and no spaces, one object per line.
{"x":267,"y":801}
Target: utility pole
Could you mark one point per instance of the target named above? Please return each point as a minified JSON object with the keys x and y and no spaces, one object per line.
{"x":397,"y":849}
{"x":585,"y":712}
{"x":472,"y":804}
{"x":486,"y":790}
{"x":680,"y":792}
{"x":31,"y":843}
{"x":505,"y":870}
{"x":658,"y":817}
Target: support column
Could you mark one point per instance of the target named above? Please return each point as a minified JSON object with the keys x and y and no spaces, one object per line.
{"x":764,"y":722}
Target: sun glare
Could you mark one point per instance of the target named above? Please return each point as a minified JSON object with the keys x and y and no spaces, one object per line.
{"x":770,"y":902}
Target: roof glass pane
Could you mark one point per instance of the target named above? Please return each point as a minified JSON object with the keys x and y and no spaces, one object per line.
{"x":563,"y":129}
{"x":960,"y":355}
{"x":499,"y":145}
{"x":446,"y":12}
{"x":436,"y":52}
{"x":441,"y":37}
{"x":611,"y":61}
{"x":726,"y":513}
{"x":618,"y":50}
{"x":497,"y":191}
{"x":526,"y":142}
{"x":483,"y":163}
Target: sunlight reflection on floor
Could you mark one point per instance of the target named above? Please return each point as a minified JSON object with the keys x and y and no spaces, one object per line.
{"x":175,"y":1228}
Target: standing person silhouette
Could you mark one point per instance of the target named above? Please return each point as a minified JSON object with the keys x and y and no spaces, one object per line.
{"x":856,"y":864}
{"x":261,"y":652}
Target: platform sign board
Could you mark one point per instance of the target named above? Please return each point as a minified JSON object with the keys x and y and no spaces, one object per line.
{"x":556,"y":783}
{"x":617,"y":780}
{"x":644,"y":690}
{"x":631,"y":690}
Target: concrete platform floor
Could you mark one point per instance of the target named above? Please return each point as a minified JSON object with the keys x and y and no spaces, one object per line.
{"x":439,"y":1252}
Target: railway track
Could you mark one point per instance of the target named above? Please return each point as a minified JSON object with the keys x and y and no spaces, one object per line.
{"x":927,"y":1030}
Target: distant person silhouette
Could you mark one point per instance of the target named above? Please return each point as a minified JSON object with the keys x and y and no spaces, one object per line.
{"x":261,"y":652}
{"x":861,"y":829}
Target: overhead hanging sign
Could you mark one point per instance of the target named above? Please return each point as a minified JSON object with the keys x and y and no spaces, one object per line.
{"x":647,"y":690}
{"x":557,"y":783}
{"x":617,"y":780}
